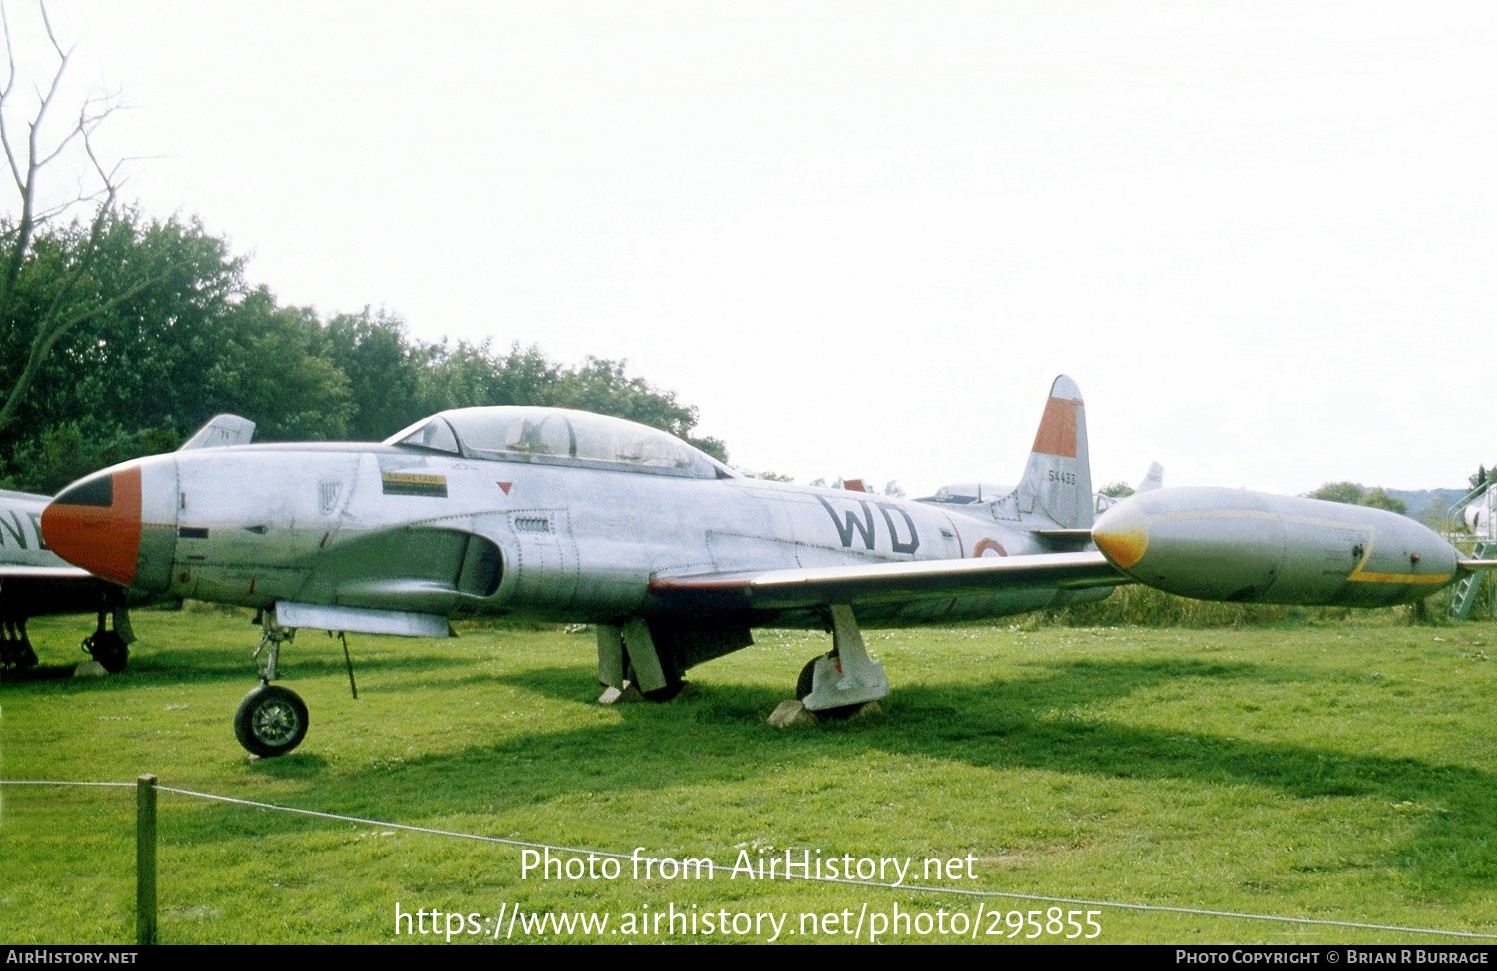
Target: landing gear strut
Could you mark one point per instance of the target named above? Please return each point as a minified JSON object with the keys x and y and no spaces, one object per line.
{"x":15,"y":646}
{"x":837,"y":685}
{"x":111,"y":648}
{"x":271,"y":720}
{"x":629,"y":655}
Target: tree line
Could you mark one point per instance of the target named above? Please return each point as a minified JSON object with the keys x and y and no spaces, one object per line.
{"x":120,"y":334}
{"x":1354,"y":494}
{"x":169,"y":333}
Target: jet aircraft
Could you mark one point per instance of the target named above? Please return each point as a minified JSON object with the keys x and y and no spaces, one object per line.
{"x":673,"y":557}
{"x":36,"y":582}
{"x":1478,"y":515}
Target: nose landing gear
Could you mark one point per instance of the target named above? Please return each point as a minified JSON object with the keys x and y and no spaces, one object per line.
{"x":271,"y":720}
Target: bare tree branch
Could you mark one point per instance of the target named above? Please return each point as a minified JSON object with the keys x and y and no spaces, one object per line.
{"x":67,"y":308}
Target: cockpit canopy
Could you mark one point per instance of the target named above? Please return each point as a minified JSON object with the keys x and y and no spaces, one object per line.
{"x":966,"y":493}
{"x":558,"y":436}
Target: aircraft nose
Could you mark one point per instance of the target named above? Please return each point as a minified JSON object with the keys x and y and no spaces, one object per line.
{"x":95,"y":523}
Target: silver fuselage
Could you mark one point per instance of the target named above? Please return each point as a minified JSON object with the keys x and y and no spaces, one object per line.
{"x":394,"y":528}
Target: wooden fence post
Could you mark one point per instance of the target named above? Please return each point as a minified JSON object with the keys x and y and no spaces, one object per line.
{"x":145,"y":860}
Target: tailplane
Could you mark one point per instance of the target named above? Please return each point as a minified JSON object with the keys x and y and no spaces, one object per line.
{"x":1057,"y":482}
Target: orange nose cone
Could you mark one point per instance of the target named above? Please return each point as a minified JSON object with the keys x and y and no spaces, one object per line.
{"x":95,"y":524}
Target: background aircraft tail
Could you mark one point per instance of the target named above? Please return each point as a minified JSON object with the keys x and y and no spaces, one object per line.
{"x":221,"y":431}
{"x":1057,"y":482}
{"x":1153,"y":479}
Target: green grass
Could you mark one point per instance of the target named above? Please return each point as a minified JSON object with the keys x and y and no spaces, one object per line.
{"x":1323,"y":768}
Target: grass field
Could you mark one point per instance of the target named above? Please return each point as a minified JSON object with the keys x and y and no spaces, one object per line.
{"x":1332,"y":770}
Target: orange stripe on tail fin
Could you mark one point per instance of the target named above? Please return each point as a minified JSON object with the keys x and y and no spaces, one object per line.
{"x":1057,"y":433}
{"x":1057,"y":483}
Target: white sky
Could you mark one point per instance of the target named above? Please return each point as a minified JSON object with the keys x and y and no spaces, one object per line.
{"x":863,"y":237}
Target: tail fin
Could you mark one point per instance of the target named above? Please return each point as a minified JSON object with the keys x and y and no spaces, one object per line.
{"x":221,"y":430}
{"x":1153,"y":479}
{"x":1057,"y":482}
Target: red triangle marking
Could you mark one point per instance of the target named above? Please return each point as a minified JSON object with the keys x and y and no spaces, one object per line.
{"x":506,"y":486}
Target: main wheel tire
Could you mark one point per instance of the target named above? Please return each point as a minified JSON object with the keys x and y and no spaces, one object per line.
{"x":270,"y":721}
{"x":109,"y":649}
{"x":806,"y":683}
{"x":807,"y":680}
{"x":668,"y":693}
{"x":674,"y":683}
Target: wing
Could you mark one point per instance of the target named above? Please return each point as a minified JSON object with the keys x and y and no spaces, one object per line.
{"x":886,"y":583}
{"x":34,"y":591}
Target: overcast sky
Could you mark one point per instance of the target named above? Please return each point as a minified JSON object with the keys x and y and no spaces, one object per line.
{"x":864,"y":237}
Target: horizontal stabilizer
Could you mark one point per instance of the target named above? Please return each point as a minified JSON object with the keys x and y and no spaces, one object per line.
{"x":1064,"y":540}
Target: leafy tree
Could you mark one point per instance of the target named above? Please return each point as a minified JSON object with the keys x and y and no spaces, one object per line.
{"x":142,"y":362}
{"x":602,"y":386}
{"x":1347,"y":492}
{"x":1117,"y":490}
{"x":1378,"y":498}
{"x":271,"y":368}
{"x":383,"y":370}
{"x":1355,"y":495}
{"x":474,"y":374}
{"x":65,"y":453}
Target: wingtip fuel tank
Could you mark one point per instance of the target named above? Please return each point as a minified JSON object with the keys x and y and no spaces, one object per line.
{"x":1235,"y":545}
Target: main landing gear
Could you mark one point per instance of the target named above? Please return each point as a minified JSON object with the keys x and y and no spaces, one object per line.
{"x":111,"y":648}
{"x":627,"y":656}
{"x":15,"y":647}
{"x":834,"y":686}
{"x":271,"y":720}
{"x":838,"y":684}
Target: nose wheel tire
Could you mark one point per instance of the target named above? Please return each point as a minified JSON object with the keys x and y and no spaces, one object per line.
{"x":270,"y":721}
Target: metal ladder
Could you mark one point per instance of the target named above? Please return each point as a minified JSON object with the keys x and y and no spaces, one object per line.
{"x":1464,"y":594}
